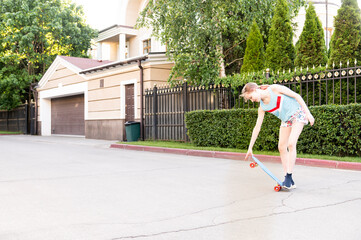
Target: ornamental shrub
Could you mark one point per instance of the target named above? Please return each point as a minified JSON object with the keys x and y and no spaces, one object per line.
{"x":311,"y":48}
{"x":336,"y":130}
{"x":254,"y":57}
{"x":345,"y":42}
{"x":280,"y":52}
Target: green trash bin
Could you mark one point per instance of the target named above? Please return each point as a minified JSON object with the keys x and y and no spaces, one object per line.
{"x":132,"y":131}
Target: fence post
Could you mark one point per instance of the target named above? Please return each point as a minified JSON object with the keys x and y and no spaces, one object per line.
{"x":7,"y":120}
{"x":26,"y":109}
{"x":267,"y":73}
{"x":155,"y":112}
{"x":185,"y":109}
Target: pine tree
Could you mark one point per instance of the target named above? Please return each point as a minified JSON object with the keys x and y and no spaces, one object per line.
{"x":311,"y":48}
{"x":345,"y":43}
{"x":254,"y":56}
{"x":280,"y":52}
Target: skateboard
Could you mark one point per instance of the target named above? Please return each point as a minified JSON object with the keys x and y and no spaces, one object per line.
{"x":258,"y":163}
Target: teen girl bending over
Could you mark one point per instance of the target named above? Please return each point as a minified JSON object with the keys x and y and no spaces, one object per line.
{"x":294,"y":114}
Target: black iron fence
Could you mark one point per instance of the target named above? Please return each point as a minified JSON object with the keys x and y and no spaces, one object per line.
{"x":165,"y":106}
{"x":336,"y":86}
{"x":20,"y":119}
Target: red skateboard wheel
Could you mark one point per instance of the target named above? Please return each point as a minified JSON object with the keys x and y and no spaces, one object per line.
{"x":252,"y":164}
{"x":277,"y":188}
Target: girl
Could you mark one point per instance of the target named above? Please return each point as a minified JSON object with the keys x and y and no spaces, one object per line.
{"x":294,"y":114}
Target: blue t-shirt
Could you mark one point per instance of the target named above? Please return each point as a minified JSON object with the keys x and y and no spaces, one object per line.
{"x":282,"y":106}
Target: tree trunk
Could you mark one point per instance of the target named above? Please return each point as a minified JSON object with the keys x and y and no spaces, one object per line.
{"x":222,"y":72}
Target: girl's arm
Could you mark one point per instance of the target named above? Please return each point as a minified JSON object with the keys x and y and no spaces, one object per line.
{"x":286,"y":91}
{"x":255,"y":132}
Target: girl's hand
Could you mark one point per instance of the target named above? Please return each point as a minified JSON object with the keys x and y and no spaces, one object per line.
{"x":249,"y":154}
{"x":311,"y":119}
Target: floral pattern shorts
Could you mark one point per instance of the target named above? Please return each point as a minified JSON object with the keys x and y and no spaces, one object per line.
{"x":299,"y":116}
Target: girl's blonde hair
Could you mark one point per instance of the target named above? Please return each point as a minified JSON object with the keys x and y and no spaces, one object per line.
{"x":250,"y":87}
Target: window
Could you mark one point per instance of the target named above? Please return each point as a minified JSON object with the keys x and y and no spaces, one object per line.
{"x":146,"y":46}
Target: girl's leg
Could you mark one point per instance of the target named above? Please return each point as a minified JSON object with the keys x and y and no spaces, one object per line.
{"x":297,"y":128}
{"x":282,"y":146}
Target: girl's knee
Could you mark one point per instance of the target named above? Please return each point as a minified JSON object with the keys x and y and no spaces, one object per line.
{"x":291,"y":146}
{"x":282,"y":148}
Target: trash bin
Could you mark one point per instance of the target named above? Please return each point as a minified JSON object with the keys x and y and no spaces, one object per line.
{"x":132,"y":131}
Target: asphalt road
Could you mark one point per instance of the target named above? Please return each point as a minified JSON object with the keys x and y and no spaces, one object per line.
{"x":61,"y":188}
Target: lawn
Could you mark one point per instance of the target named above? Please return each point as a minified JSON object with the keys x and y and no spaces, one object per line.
{"x":170,"y":144}
{"x":11,"y":133}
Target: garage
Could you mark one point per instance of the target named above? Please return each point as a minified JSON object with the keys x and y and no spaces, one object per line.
{"x":67,"y":115}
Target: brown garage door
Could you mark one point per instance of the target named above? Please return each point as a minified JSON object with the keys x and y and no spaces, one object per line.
{"x":67,"y":115}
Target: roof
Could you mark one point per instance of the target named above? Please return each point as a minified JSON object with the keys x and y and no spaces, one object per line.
{"x":85,"y":63}
{"x":114,"y":64}
{"x":115,"y":26}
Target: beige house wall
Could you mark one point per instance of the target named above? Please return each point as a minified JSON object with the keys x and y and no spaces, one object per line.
{"x":106,"y":112}
{"x":63,"y":76}
{"x":104,"y":102}
{"x":133,"y":47}
{"x":131,"y":11}
{"x":113,"y":51}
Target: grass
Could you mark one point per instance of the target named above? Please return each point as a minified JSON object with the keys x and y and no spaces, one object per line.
{"x":11,"y":133}
{"x":170,"y":144}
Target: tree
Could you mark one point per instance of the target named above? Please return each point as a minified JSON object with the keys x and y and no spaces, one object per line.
{"x":201,"y":36}
{"x":280,"y":52}
{"x":32,"y":33}
{"x":311,"y":48}
{"x":346,"y":39}
{"x":254,"y":57}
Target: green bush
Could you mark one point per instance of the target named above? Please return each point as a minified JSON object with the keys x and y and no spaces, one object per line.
{"x":254,"y":57}
{"x":280,"y":52}
{"x":336,"y":130}
{"x":311,"y":48}
{"x":345,"y":42}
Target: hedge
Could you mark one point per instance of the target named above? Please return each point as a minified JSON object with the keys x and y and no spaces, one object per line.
{"x":337,"y":130}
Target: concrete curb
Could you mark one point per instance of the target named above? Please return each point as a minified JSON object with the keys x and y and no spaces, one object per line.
{"x":241,"y":156}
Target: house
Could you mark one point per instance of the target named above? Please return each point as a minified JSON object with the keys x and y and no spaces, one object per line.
{"x":94,"y":98}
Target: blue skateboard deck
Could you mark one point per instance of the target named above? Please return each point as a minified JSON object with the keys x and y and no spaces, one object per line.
{"x":266,"y":170}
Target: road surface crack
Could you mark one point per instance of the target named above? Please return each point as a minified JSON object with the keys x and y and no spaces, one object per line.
{"x":235,"y":221}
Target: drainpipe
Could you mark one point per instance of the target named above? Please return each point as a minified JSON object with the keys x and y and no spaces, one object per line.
{"x":33,"y":87}
{"x":141,"y":100}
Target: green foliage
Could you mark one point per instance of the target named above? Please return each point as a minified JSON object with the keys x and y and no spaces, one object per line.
{"x":254,"y":57}
{"x":336,"y":130}
{"x":311,"y":48}
{"x":201,"y":34}
{"x":32,"y":34}
{"x":13,"y":85}
{"x":280,"y":52}
{"x":345,"y":42}
{"x":259,"y":77}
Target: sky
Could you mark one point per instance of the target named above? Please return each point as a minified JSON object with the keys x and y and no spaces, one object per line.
{"x":101,"y":14}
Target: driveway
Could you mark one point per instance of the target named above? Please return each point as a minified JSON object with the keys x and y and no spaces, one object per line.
{"x":62,"y":188}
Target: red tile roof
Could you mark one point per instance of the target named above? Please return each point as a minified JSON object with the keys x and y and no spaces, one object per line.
{"x":85,"y":63}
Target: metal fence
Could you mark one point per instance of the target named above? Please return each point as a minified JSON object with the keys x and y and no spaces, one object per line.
{"x":20,"y":119}
{"x":165,"y":107}
{"x":336,"y":86}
